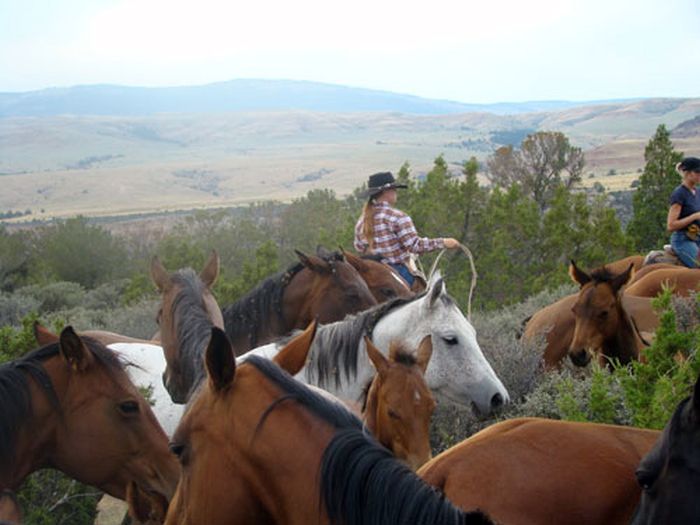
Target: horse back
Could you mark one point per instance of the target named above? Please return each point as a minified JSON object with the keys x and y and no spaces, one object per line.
{"x":556,"y":322}
{"x":538,"y":471}
{"x":683,"y":281}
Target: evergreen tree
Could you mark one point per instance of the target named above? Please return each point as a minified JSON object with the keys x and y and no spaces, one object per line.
{"x":650,"y":202}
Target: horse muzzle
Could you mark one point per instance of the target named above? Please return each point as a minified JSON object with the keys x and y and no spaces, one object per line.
{"x":580,"y":357}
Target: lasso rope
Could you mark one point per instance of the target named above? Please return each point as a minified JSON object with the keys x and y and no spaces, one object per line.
{"x":475,"y":276}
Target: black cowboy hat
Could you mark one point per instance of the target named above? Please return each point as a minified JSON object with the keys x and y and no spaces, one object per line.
{"x":690,"y":164}
{"x":380,"y":182}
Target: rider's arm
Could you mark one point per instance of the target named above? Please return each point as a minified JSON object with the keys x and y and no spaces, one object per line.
{"x":409,"y":239}
{"x":673,"y":223}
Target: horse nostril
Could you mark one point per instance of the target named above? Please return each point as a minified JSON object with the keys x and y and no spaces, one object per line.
{"x":496,"y":401}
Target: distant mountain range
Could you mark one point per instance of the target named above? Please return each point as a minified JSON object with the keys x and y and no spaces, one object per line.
{"x":246,"y":95}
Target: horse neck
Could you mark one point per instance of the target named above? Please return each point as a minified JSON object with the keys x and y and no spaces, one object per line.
{"x":298,"y":300}
{"x":626,"y":345}
{"x":35,"y":440}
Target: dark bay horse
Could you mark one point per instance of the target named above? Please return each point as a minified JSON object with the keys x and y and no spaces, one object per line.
{"x":187,"y":312}
{"x":383,"y":281}
{"x":603,"y":327}
{"x":399,"y":404}
{"x":533,"y":471}
{"x":257,"y":446}
{"x":324,"y":289}
{"x":71,"y":406}
{"x":670,"y":474}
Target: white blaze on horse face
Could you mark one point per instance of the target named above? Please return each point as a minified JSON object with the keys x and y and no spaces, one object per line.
{"x":458,"y":371}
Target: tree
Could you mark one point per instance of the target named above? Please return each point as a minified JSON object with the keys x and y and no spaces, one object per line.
{"x":650,"y":201}
{"x":544,"y":162}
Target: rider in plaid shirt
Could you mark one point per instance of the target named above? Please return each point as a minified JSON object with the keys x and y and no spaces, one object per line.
{"x":388,"y":232}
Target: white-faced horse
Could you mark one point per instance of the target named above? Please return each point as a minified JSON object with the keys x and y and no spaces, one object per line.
{"x":458,"y":371}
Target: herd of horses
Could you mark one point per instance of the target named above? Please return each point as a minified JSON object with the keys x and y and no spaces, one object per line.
{"x":309,"y":401}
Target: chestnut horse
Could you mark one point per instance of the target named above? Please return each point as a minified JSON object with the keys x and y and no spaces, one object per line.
{"x":10,"y":511}
{"x":682,"y":281}
{"x":325,"y":289}
{"x":186,"y":314}
{"x":71,"y":406}
{"x":383,"y":281}
{"x":603,"y":327}
{"x":399,"y":404}
{"x":534,"y":471}
{"x":668,"y":475}
{"x":257,"y":446}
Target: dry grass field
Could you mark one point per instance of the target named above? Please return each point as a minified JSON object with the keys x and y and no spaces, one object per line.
{"x":63,"y":166}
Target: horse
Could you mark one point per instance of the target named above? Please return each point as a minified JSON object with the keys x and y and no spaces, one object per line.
{"x":145,"y":364}
{"x":457,"y":373}
{"x":314,"y":288}
{"x":186,"y":314}
{"x":682,"y":281}
{"x":257,"y":446}
{"x":603,"y":327}
{"x":668,"y":475}
{"x":10,"y":511}
{"x":383,"y":281}
{"x":533,"y":471}
{"x":399,"y":405}
{"x":71,"y":406}
{"x":147,"y":508}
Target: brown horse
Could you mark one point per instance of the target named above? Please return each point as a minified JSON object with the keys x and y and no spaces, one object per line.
{"x":383,"y":281}
{"x":399,"y":404}
{"x":257,"y":446}
{"x":186,"y":314}
{"x":603,"y":327}
{"x":147,"y":508}
{"x":71,"y":406}
{"x":682,"y":281}
{"x":325,"y":289}
{"x":534,"y":471}
{"x":10,"y":511}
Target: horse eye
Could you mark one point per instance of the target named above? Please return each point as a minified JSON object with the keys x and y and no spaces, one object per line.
{"x":158,"y":316}
{"x":388,"y":293}
{"x":393,"y":414}
{"x":603,"y":314}
{"x":645,"y":479}
{"x":176,"y":448}
{"x":129,"y":408}
{"x":450,"y":341}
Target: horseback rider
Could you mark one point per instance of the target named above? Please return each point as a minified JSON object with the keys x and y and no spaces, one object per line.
{"x":684,"y":213}
{"x":385,"y":231}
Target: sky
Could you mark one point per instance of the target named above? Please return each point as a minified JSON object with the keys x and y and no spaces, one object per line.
{"x":472,"y":52}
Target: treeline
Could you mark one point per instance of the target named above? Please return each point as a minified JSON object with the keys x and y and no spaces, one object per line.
{"x":523,"y":228}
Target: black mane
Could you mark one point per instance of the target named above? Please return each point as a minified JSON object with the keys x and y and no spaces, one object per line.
{"x":247,"y":315}
{"x":15,"y":396}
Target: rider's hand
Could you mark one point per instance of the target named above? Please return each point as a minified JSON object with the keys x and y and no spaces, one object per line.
{"x":450,"y":243}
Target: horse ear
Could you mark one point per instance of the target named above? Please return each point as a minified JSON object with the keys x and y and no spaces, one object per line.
{"x":322,"y":252}
{"x":211,"y":270}
{"x":292,"y":357}
{"x":355,"y":261}
{"x":313,"y":263}
{"x":425,"y":351}
{"x":381,"y":363}
{"x":219,"y":359}
{"x":436,"y":291}
{"x":622,"y":279}
{"x":43,"y":335}
{"x":159,"y":274}
{"x":145,"y":506}
{"x":74,"y":350}
{"x":577,"y":275}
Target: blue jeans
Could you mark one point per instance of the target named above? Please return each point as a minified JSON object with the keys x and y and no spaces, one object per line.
{"x":403,"y":272}
{"x":686,"y":249}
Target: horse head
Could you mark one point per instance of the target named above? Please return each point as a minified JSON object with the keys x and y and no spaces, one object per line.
{"x":399,"y":403}
{"x":383,"y":281}
{"x":458,"y":371}
{"x":328,"y":291}
{"x":668,"y":474}
{"x":603,"y":329}
{"x":187,"y":311}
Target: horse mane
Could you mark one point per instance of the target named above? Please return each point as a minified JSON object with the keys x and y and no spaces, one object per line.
{"x":15,"y":396}
{"x":602,"y":275}
{"x":250,"y":312}
{"x":193,"y":323}
{"x":336,"y":345}
{"x":362,"y":483}
{"x":334,"y":414}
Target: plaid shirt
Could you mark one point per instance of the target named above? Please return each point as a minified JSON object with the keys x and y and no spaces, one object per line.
{"x":395,"y":236}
